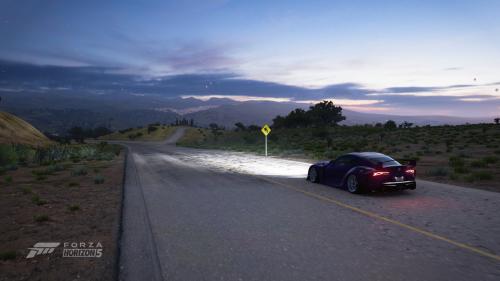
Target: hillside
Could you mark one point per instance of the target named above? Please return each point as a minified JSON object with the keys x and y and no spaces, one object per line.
{"x":159,"y":133}
{"x":16,"y":130}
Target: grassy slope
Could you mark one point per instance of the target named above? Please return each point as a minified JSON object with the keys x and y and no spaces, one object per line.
{"x":160,"y":134}
{"x":16,"y":130}
{"x":464,"y":155}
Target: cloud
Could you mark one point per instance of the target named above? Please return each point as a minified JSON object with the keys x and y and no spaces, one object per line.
{"x":198,"y":58}
{"x":453,"y":68}
{"x":478,"y":100}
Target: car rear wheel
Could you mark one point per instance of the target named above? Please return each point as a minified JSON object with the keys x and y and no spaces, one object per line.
{"x":312,"y":176}
{"x":353,"y":184}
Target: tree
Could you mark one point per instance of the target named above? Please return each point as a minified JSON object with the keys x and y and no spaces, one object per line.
{"x":297,"y":119}
{"x":406,"y":125}
{"x":279,"y":122}
{"x":239,"y":126}
{"x":253,"y":128}
{"x":101,"y":131}
{"x":390,"y":125}
{"x":77,"y":133}
{"x":325,"y":113}
{"x":152,"y":128}
{"x":497,"y":121}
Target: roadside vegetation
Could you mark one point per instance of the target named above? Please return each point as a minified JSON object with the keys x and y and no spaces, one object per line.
{"x":53,"y":193}
{"x":466,"y":154}
{"x":151,"y":132}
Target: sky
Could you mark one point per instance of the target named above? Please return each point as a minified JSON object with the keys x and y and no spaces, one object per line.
{"x":411,"y":51}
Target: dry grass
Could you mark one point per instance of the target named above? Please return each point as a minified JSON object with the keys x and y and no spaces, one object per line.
{"x":16,"y":130}
{"x":141,"y":134}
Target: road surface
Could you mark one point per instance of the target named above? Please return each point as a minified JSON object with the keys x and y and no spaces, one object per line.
{"x":211,"y":215}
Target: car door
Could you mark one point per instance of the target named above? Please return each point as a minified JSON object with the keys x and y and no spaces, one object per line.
{"x":336,"y":170}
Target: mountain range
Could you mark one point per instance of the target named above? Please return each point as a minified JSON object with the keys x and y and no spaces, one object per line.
{"x":55,"y":98}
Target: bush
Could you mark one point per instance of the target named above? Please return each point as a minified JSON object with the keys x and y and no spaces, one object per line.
{"x":40,"y":218}
{"x":8,"y":155}
{"x":8,"y":179}
{"x":99,"y":179}
{"x":490,"y":159}
{"x":482,"y":175}
{"x":461,"y":170}
{"x":73,"y":208}
{"x":478,"y":164}
{"x":79,"y":171}
{"x":438,"y":172}
{"x":36,"y":199}
{"x":26,"y":190}
{"x":456,"y":161}
{"x":152,"y":128}
{"x":8,"y":255}
{"x":72,"y":184}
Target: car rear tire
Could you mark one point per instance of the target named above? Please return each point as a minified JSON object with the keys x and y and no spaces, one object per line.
{"x":312,"y":175}
{"x":353,"y":184}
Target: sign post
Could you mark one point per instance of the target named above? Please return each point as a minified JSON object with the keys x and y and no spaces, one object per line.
{"x":265,"y":130}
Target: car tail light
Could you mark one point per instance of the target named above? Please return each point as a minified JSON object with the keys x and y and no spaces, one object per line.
{"x":410,"y":171}
{"x":380,"y":173}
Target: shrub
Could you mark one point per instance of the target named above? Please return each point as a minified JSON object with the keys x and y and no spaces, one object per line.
{"x":72,"y":184}
{"x":99,"y":179}
{"x":478,"y":164}
{"x":41,"y":177}
{"x":8,"y":255}
{"x":26,"y":190}
{"x":36,"y":199}
{"x":8,"y":179}
{"x":152,"y":128}
{"x":8,"y":155}
{"x":438,"y":172}
{"x":490,"y":159}
{"x":461,"y":170}
{"x":456,"y":161}
{"x":79,"y":171}
{"x":40,"y":218}
{"x":482,"y":175}
{"x":73,"y":208}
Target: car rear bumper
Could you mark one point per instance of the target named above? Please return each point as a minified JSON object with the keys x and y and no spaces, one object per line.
{"x":398,"y":185}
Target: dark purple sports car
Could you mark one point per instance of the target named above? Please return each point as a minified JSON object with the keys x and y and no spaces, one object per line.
{"x":364,"y":171}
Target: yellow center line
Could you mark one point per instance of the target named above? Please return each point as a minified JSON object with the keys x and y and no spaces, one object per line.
{"x":382,"y":218}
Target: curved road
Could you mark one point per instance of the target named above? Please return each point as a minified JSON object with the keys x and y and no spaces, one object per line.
{"x":212,"y":215}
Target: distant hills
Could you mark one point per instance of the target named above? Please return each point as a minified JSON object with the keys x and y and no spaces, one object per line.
{"x":56,"y":98}
{"x":55,"y":112}
{"x":260,"y":112}
{"x":16,"y":130}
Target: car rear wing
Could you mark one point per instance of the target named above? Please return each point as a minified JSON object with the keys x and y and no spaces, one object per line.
{"x":408,"y":162}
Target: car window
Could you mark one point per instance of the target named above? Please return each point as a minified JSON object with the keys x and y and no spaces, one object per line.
{"x":346,"y":161}
{"x":385,"y":161}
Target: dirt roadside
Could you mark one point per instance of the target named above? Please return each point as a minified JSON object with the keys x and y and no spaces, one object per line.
{"x":80,"y":203}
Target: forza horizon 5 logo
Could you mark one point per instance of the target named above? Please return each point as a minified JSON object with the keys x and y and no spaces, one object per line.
{"x":70,"y":249}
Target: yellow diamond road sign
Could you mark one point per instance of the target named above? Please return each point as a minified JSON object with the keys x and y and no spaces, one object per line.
{"x":265,"y":130}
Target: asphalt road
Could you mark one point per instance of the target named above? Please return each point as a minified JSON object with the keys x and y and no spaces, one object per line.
{"x":210,"y":215}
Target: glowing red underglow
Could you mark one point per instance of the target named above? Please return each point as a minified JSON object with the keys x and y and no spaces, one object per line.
{"x":380,"y":173}
{"x":410,"y":171}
